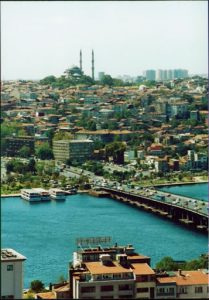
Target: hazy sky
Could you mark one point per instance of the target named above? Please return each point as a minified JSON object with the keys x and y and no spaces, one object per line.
{"x":44,"y":38}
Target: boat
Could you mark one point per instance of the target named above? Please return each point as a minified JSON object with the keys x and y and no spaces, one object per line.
{"x":35,"y":195}
{"x":57,"y":194}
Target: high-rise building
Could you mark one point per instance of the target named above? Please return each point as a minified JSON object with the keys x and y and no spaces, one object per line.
{"x":101,"y":75}
{"x":11,"y":274}
{"x":159,"y":75}
{"x":150,"y":74}
{"x":162,"y":75}
{"x":169,"y":74}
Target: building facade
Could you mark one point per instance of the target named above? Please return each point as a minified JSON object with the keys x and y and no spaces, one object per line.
{"x":14,"y":144}
{"x":79,"y":150}
{"x":11,"y":274}
{"x":118,"y":272}
{"x":150,"y":74}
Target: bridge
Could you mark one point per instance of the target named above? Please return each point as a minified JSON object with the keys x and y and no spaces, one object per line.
{"x":190,"y":212}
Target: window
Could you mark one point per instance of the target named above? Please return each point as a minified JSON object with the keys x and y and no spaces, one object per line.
{"x":171,"y":291}
{"x":161,"y":290}
{"x":88,"y":289}
{"x":106,"y":288}
{"x":142,"y":278}
{"x":183,"y":290}
{"x":9,"y":267}
{"x":124,"y":287}
{"x":116,"y":276}
{"x":142,"y":290}
{"x":198,"y":289}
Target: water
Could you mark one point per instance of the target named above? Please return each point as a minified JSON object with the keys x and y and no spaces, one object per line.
{"x":45,"y":232}
{"x":197,"y":190}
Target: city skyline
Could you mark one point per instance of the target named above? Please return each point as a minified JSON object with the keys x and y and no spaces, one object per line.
{"x":141,"y":36}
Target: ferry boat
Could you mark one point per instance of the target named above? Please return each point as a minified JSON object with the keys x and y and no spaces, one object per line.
{"x":57,"y":194}
{"x":35,"y":195}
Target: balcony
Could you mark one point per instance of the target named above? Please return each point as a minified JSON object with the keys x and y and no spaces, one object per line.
{"x":106,"y":277}
{"x":165,"y":294}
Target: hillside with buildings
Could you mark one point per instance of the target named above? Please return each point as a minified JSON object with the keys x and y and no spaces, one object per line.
{"x":156,"y":131}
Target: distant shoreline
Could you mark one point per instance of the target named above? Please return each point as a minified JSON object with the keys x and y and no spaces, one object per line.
{"x":10,"y":195}
{"x":180,"y":183}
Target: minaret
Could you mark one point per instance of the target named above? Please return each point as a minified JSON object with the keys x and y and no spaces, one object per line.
{"x":80,"y":60}
{"x":92,"y":66}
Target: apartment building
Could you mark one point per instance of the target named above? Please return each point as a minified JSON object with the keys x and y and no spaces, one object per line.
{"x":14,"y":144}
{"x":79,"y":150}
{"x":104,"y":279}
{"x":118,"y":272}
{"x":150,"y":74}
{"x":11,"y":274}
{"x":110,"y":273}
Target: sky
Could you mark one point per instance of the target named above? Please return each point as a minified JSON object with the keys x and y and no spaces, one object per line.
{"x":41,"y":38}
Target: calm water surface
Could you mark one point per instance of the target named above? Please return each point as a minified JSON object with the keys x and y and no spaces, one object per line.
{"x":45,"y":232}
{"x":197,"y":190}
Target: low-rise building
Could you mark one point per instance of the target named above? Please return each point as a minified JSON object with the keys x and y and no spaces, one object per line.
{"x":183,"y":285}
{"x":144,"y":281}
{"x":11,"y":274}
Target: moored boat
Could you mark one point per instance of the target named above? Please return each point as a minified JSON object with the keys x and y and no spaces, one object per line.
{"x":57,"y":194}
{"x":35,"y":195}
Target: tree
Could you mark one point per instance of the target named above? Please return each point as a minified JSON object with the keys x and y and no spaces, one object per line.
{"x":91,"y":126}
{"x":44,"y":152}
{"x":48,"y":80}
{"x":9,"y":166}
{"x":167,"y":264}
{"x":50,"y":135}
{"x":116,"y":150}
{"x":118,"y":82}
{"x":200,"y":263}
{"x":107,"y":80}
{"x":25,"y":152}
{"x":62,"y":136}
{"x":36,"y":286}
{"x":29,"y":296}
{"x":32,"y":166}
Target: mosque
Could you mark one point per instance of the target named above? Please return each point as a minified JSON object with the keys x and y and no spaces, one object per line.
{"x":76,"y":71}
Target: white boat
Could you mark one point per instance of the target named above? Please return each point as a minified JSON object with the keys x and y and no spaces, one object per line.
{"x":30,"y":195}
{"x":35,"y":195}
{"x":57,"y":194}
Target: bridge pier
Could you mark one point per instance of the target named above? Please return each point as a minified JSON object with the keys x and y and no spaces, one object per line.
{"x":183,"y":215}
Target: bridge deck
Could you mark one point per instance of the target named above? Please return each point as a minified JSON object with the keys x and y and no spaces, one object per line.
{"x":187,"y":211}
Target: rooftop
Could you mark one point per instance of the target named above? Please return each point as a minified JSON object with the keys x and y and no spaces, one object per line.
{"x":186,"y":278}
{"x":99,"y":268}
{"x":142,"y":269}
{"x":11,"y":255}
